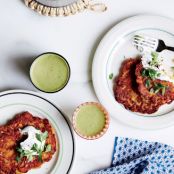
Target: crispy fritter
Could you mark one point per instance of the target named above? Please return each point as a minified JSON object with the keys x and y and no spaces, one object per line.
{"x":7,"y":167}
{"x":7,"y":154}
{"x":145,"y":90}
{"x":8,"y":143}
{"x":10,"y":138}
{"x":126,"y":91}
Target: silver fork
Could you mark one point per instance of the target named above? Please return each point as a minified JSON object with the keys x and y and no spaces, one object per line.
{"x":143,"y":42}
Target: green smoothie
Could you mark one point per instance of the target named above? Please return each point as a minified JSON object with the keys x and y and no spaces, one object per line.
{"x":50,"y":72}
{"x":90,"y":120}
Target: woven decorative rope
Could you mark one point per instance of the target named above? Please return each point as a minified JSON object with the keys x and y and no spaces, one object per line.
{"x":63,"y":7}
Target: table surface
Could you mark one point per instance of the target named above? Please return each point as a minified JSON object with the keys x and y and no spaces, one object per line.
{"x":24,"y":34}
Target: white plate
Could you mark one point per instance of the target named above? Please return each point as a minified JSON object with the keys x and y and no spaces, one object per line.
{"x":14,"y":102}
{"x":115,"y":46}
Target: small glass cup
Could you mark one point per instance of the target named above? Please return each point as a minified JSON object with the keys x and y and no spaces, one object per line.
{"x":43,"y":78}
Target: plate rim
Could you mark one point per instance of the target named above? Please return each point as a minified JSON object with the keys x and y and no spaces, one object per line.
{"x":107,"y":39}
{"x":35,"y":94}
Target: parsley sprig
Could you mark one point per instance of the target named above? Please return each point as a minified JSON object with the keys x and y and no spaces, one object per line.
{"x":150,"y":73}
{"x":147,"y":83}
{"x":158,"y":87}
{"x":111,"y":76}
{"x":36,"y":149}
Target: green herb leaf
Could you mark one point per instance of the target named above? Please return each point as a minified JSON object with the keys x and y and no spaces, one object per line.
{"x":151,"y":73}
{"x":40,"y":156}
{"x":158,"y":74}
{"x":159,"y":87}
{"x":147,"y":83}
{"x":154,"y":61}
{"x":144,"y":73}
{"x":27,"y":152}
{"x":48,"y":148}
{"x":111,"y":76}
{"x":18,"y":159}
{"x":35,"y":147}
{"x":30,"y":157}
{"x":44,"y":135}
{"x":21,"y":154}
{"x":157,"y":90}
{"x":154,"y":55}
{"x":39,"y":138}
{"x":18,"y":149}
{"x":163,"y":91}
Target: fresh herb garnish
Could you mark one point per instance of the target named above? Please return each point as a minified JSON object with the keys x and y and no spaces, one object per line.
{"x":154,"y":61}
{"x":40,"y":156}
{"x":39,"y":151}
{"x":111,"y":76}
{"x":147,"y":83}
{"x":151,"y":73}
{"x":48,"y":148}
{"x":19,"y":150}
{"x":24,"y":153}
{"x":156,"y":90}
{"x":18,"y":159}
{"x":144,"y":73}
{"x":42,"y":137}
{"x":36,"y":149}
{"x":159,"y":87}
{"x":163,"y":91}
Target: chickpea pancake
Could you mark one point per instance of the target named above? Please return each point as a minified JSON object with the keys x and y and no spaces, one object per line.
{"x":14,"y":159}
{"x":126,"y":90}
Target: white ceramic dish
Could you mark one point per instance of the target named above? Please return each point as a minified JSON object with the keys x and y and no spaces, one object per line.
{"x":113,"y":49}
{"x":17,"y":101}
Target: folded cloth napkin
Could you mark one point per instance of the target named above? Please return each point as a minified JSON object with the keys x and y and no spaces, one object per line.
{"x":140,"y":157}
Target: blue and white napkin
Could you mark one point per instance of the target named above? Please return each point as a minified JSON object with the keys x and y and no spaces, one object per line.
{"x":140,"y":157}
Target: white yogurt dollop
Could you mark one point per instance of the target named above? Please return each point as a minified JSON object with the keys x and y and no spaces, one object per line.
{"x":164,"y":70}
{"x":31,"y":140}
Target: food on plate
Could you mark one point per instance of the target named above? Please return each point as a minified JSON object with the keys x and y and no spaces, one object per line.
{"x":144,"y":84}
{"x":160,"y":90}
{"x":162,"y":67}
{"x":50,"y":72}
{"x":26,"y":142}
{"x":90,"y":120}
{"x":126,"y":91}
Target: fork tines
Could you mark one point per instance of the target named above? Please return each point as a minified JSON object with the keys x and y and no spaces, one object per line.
{"x":145,"y":42}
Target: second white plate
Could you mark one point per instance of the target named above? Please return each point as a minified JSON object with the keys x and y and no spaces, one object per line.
{"x":17,"y":101}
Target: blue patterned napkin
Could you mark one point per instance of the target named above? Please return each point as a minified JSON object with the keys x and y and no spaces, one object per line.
{"x":140,"y":157}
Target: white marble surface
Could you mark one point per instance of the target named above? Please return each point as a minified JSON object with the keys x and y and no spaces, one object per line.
{"x":25,"y":34}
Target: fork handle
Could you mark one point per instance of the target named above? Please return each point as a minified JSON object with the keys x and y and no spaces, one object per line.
{"x":169,"y":48}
